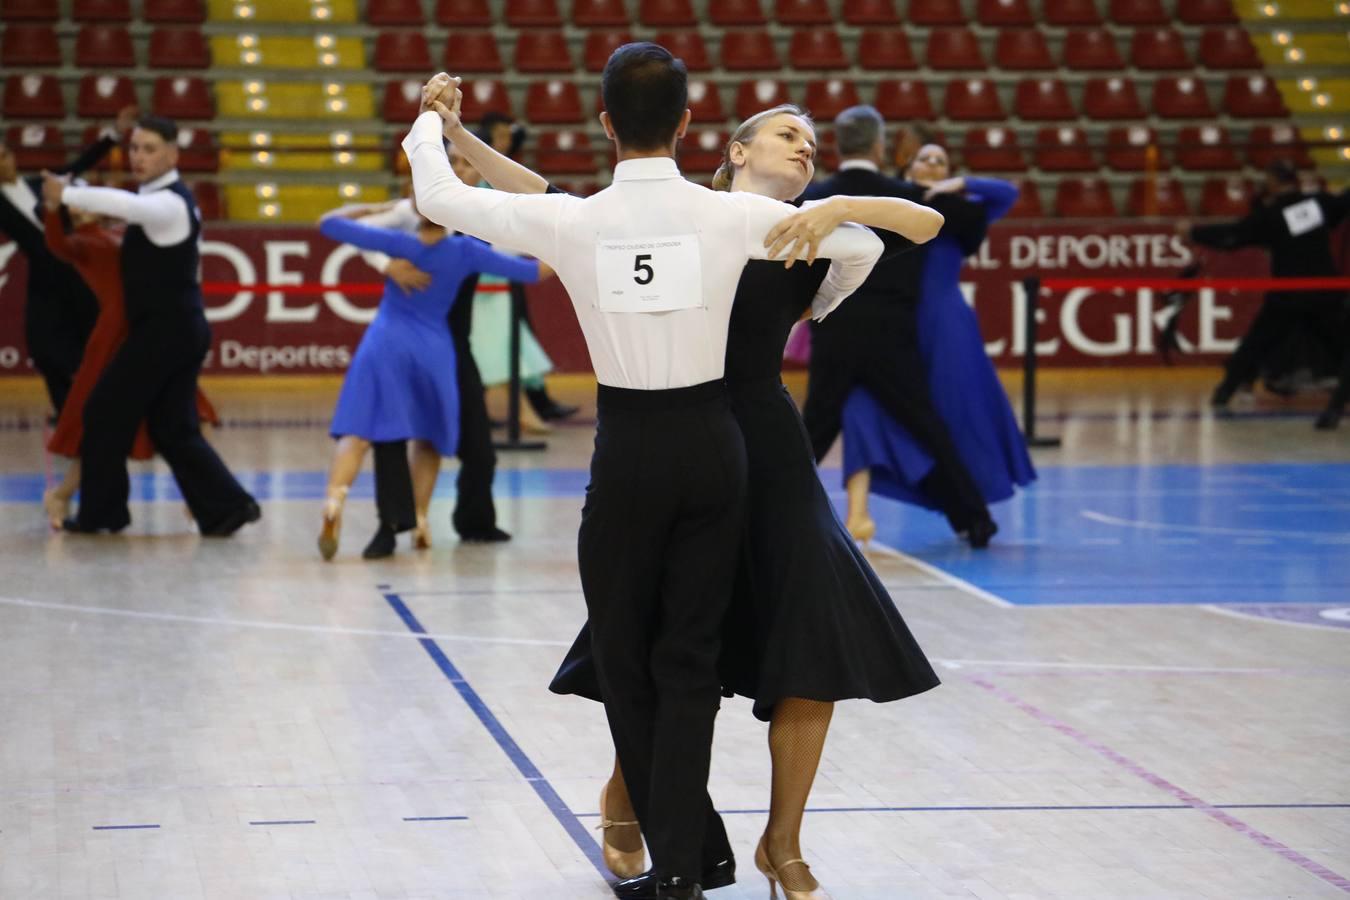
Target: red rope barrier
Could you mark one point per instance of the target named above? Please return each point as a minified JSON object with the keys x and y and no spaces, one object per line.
{"x":1195,"y":284}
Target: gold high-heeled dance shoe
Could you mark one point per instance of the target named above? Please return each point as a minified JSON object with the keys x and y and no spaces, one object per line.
{"x":422,"y":533}
{"x":862,"y":531}
{"x":56,"y":507}
{"x":771,"y":872}
{"x":332,"y":522}
{"x":623,"y":863}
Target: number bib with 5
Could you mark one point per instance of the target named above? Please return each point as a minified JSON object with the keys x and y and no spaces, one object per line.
{"x":646,"y":275}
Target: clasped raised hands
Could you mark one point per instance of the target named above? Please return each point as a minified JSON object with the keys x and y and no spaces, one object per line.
{"x":442,"y":96}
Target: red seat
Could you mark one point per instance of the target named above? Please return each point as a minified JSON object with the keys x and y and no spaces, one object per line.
{"x":827,"y":99}
{"x":179,"y":48}
{"x":1028,"y":205}
{"x":1158,"y":48}
{"x":1022,"y":50}
{"x":402,"y":100}
{"x":1128,"y":149}
{"x":1267,"y":143}
{"x":104,"y":47}
{"x":759,"y":95}
{"x":993,"y":150}
{"x":885,"y":49}
{"x":1005,"y":14}
{"x":803,"y":12}
{"x":533,"y":14}
{"x":190,"y":98}
{"x":1228,"y":48}
{"x":702,"y":151}
{"x":1229,"y":198}
{"x":1207,"y":12}
{"x":483,"y":96}
{"x":1253,"y":97}
{"x":36,"y":146}
{"x":1111,"y":98}
{"x":26,"y":46}
{"x":599,"y":14}
{"x":187,"y":12}
{"x":564,"y":153}
{"x":1088,"y":49}
{"x":1161,"y":197}
{"x":688,"y":46}
{"x":667,"y":14}
{"x":817,"y":48}
{"x":954,"y":48}
{"x":472,"y":51}
{"x":870,"y":12}
{"x":209,"y":200}
{"x":553,"y":102}
{"x":736,"y":12}
{"x":463,"y":13}
{"x":705,"y":102}
{"x":1206,"y":148}
{"x":1043,"y":98}
{"x":394,"y":13}
{"x":903,"y":100}
{"x":104,"y":95}
{"x":1181,"y":98}
{"x":1071,"y":12}
{"x":827,"y":152}
{"x":543,"y":51}
{"x":744,"y":51}
{"x":33,"y":97}
{"x":1081,"y":198}
{"x":404,"y":51}
{"x":1139,"y":12}
{"x":600,"y":46}
{"x":936,"y":12}
{"x":101,"y":11}
{"x":29,"y":10}
{"x":1064,"y":149}
{"x":975,"y":99}
{"x":197,"y":150}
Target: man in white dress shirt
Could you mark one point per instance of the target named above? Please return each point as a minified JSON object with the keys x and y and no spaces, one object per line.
{"x":651,"y":265}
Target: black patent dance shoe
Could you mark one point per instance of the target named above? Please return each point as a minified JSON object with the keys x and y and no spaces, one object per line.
{"x":546,"y":407}
{"x":382,"y":544}
{"x":981,"y":533}
{"x":490,"y":536}
{"x":73,"y":525}
{"x":648,"y":887}
{"x":1329,"y":420}
{"x":233,"y":521}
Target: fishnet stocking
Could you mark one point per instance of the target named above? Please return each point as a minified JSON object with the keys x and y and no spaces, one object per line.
{"x":796,"y":739}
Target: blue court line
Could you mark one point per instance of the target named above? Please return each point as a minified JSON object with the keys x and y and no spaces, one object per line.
{"x":528,"y":770}
{"x":1087,"y":808}
{"x":286,"y":822}
{"x":123,"y":827}
{"x":435,"y":818}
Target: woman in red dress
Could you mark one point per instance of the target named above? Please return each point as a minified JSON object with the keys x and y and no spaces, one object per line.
{"x":95,"y":252}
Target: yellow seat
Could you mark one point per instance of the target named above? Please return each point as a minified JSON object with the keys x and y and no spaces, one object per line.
{"x":1292,"y":10}
{"x":259,"y":99}
{"x":295,"y":203}
{"x":1338,"y":136}
{"x":286,"y":52}
{"x":282,"y":11}
{"x":1315,"y":95}
{"x":1285,"y":48}
{"x":340,"y":151}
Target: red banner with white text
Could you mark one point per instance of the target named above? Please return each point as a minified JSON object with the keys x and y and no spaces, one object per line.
{"x":276,"y":332}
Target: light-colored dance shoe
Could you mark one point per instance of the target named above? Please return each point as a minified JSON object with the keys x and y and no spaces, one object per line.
{"x":56,"y":507}
{"x":623,"y":863}
{"x":862,"y":530}
{"x":332,"y":522}
{"x":422,"y":533}
{"x":770,"y":872}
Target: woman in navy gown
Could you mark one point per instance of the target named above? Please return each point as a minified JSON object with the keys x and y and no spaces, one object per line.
{"x":880,"y":456}
{"x":400,"y":385}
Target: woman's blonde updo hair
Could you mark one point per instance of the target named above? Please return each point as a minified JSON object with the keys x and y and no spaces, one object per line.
{"x":746,"y":133}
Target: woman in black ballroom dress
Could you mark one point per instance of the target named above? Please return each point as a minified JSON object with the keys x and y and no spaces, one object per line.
{"x":810,"y":622}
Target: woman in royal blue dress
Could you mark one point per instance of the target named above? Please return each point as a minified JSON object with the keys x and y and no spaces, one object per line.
{"x":400,"y":385}
{"x":880,"y":456}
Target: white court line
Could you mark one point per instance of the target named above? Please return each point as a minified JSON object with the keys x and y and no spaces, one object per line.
{"x":1206,"y":529}
{"x":271,"y":626}
{"x":1251,"y":617}
{"x":960,"y":584}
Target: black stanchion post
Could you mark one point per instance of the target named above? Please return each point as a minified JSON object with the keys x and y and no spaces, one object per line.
{"x":513,"y":441}
{"x":1032,"y":287}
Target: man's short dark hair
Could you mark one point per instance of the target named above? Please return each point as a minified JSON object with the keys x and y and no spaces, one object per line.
{"x":1283,"y":170}
{"x":857,"y":130}
{"x":164,"y":127}
{"x":646,"y":91}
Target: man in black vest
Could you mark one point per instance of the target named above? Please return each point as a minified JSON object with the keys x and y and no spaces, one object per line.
{"x":871,"y":341}
{"x":60,"y":310}
{"x":153,"y":376}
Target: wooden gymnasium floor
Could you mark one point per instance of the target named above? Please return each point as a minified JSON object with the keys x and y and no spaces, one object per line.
{"x":1144,"y":680}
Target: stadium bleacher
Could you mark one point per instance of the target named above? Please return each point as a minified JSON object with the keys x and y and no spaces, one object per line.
{"x":1105,"y":106}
